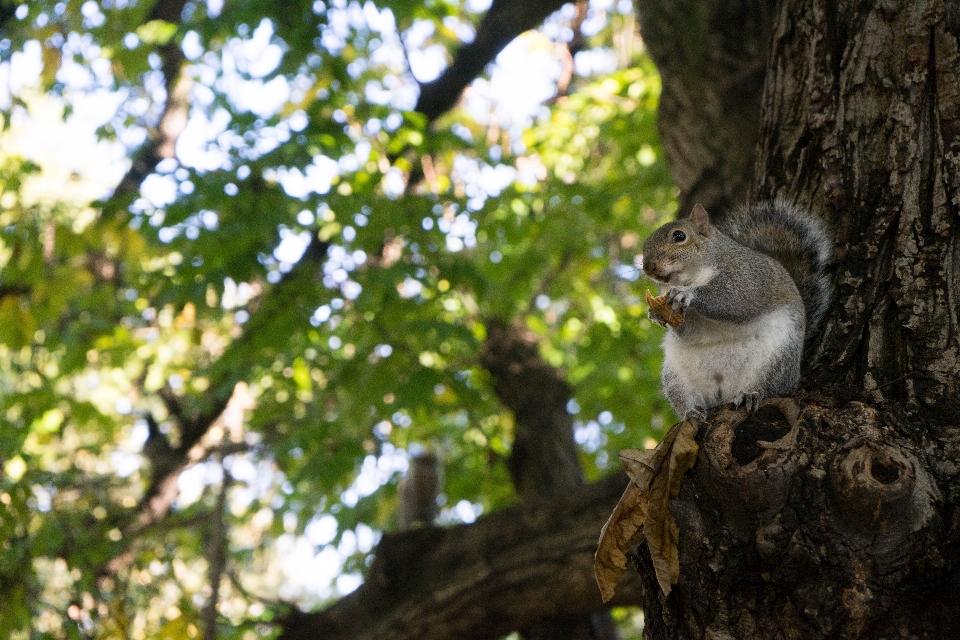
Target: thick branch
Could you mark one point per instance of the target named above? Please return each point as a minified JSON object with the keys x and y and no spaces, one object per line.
{"x":217,"y":555}
{"x":509,"y":570}
{"x":544,"y":460}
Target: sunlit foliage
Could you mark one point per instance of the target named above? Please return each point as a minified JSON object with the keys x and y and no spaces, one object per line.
{"x":318,"y":255}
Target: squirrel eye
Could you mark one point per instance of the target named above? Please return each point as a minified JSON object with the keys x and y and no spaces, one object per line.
{"x":679,"y":236}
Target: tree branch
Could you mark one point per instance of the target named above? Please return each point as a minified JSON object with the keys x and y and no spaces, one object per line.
{"x":225,"y":374}
{"x":544,"y":461}
{"x":504,"y":21}
{"x":569,"y":49}
{"x":217,"y":557}
{"x":161,"y":141}
{"x":509,"y":570}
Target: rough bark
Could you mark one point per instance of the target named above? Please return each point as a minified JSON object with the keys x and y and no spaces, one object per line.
{"x":863,"y":126}
{"x":529,"y":563}
{"x":842,"y":523}
{"x":826,"y":529}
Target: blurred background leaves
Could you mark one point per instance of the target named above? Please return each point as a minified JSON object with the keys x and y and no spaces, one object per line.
{"x":293,"y":303}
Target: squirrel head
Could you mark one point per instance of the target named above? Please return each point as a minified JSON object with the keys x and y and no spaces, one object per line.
{"x":673,"y":253}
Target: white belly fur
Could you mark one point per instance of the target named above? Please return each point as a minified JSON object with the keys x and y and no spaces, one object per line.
{"x":721,"y":360}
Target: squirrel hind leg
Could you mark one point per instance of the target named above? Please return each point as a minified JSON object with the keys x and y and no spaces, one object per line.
{"x":684,"y":399}
{"x":749,"y":400}
{"x":696,"y":412}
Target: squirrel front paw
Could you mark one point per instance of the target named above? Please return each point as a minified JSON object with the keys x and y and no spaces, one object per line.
{"x":748,"y":400}
{"x":679,"y":298}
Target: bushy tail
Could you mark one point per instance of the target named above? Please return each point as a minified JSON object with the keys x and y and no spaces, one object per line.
{"x":798,"y":240}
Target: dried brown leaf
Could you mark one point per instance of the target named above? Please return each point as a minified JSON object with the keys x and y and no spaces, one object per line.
{"x":660,"y":528}
{"x":620,"y":533}
{"x":640,"y":465}
{"x":655,"y":477}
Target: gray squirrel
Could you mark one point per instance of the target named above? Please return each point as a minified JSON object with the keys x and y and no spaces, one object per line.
{"x":751,"y":290}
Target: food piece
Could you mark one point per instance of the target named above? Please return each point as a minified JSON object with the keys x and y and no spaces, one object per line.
{"x":665,"y":309}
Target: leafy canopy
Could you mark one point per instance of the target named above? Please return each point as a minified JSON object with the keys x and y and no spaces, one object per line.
{"x":317,"y":259}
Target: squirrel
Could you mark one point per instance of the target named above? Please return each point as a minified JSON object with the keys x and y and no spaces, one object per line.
{"x":750,"y":290}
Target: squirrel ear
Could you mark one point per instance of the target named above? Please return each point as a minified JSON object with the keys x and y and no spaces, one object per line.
{"x":701,"y":221}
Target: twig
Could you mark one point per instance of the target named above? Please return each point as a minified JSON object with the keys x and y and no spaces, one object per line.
{"x":162,"y":139}
{"x":217,"y":557}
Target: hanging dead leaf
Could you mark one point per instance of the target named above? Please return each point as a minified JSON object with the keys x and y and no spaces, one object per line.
{"x":654,"y":480}
{"x":660,"y":528}
{"x":619,"y":535}
{"x":640,"y":465}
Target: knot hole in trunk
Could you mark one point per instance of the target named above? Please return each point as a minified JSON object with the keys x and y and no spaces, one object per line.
{"x":751,"y":462}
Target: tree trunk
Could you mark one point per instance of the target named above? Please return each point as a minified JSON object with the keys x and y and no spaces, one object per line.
{"x":712,"y":57}
{"x":841,"y":521}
